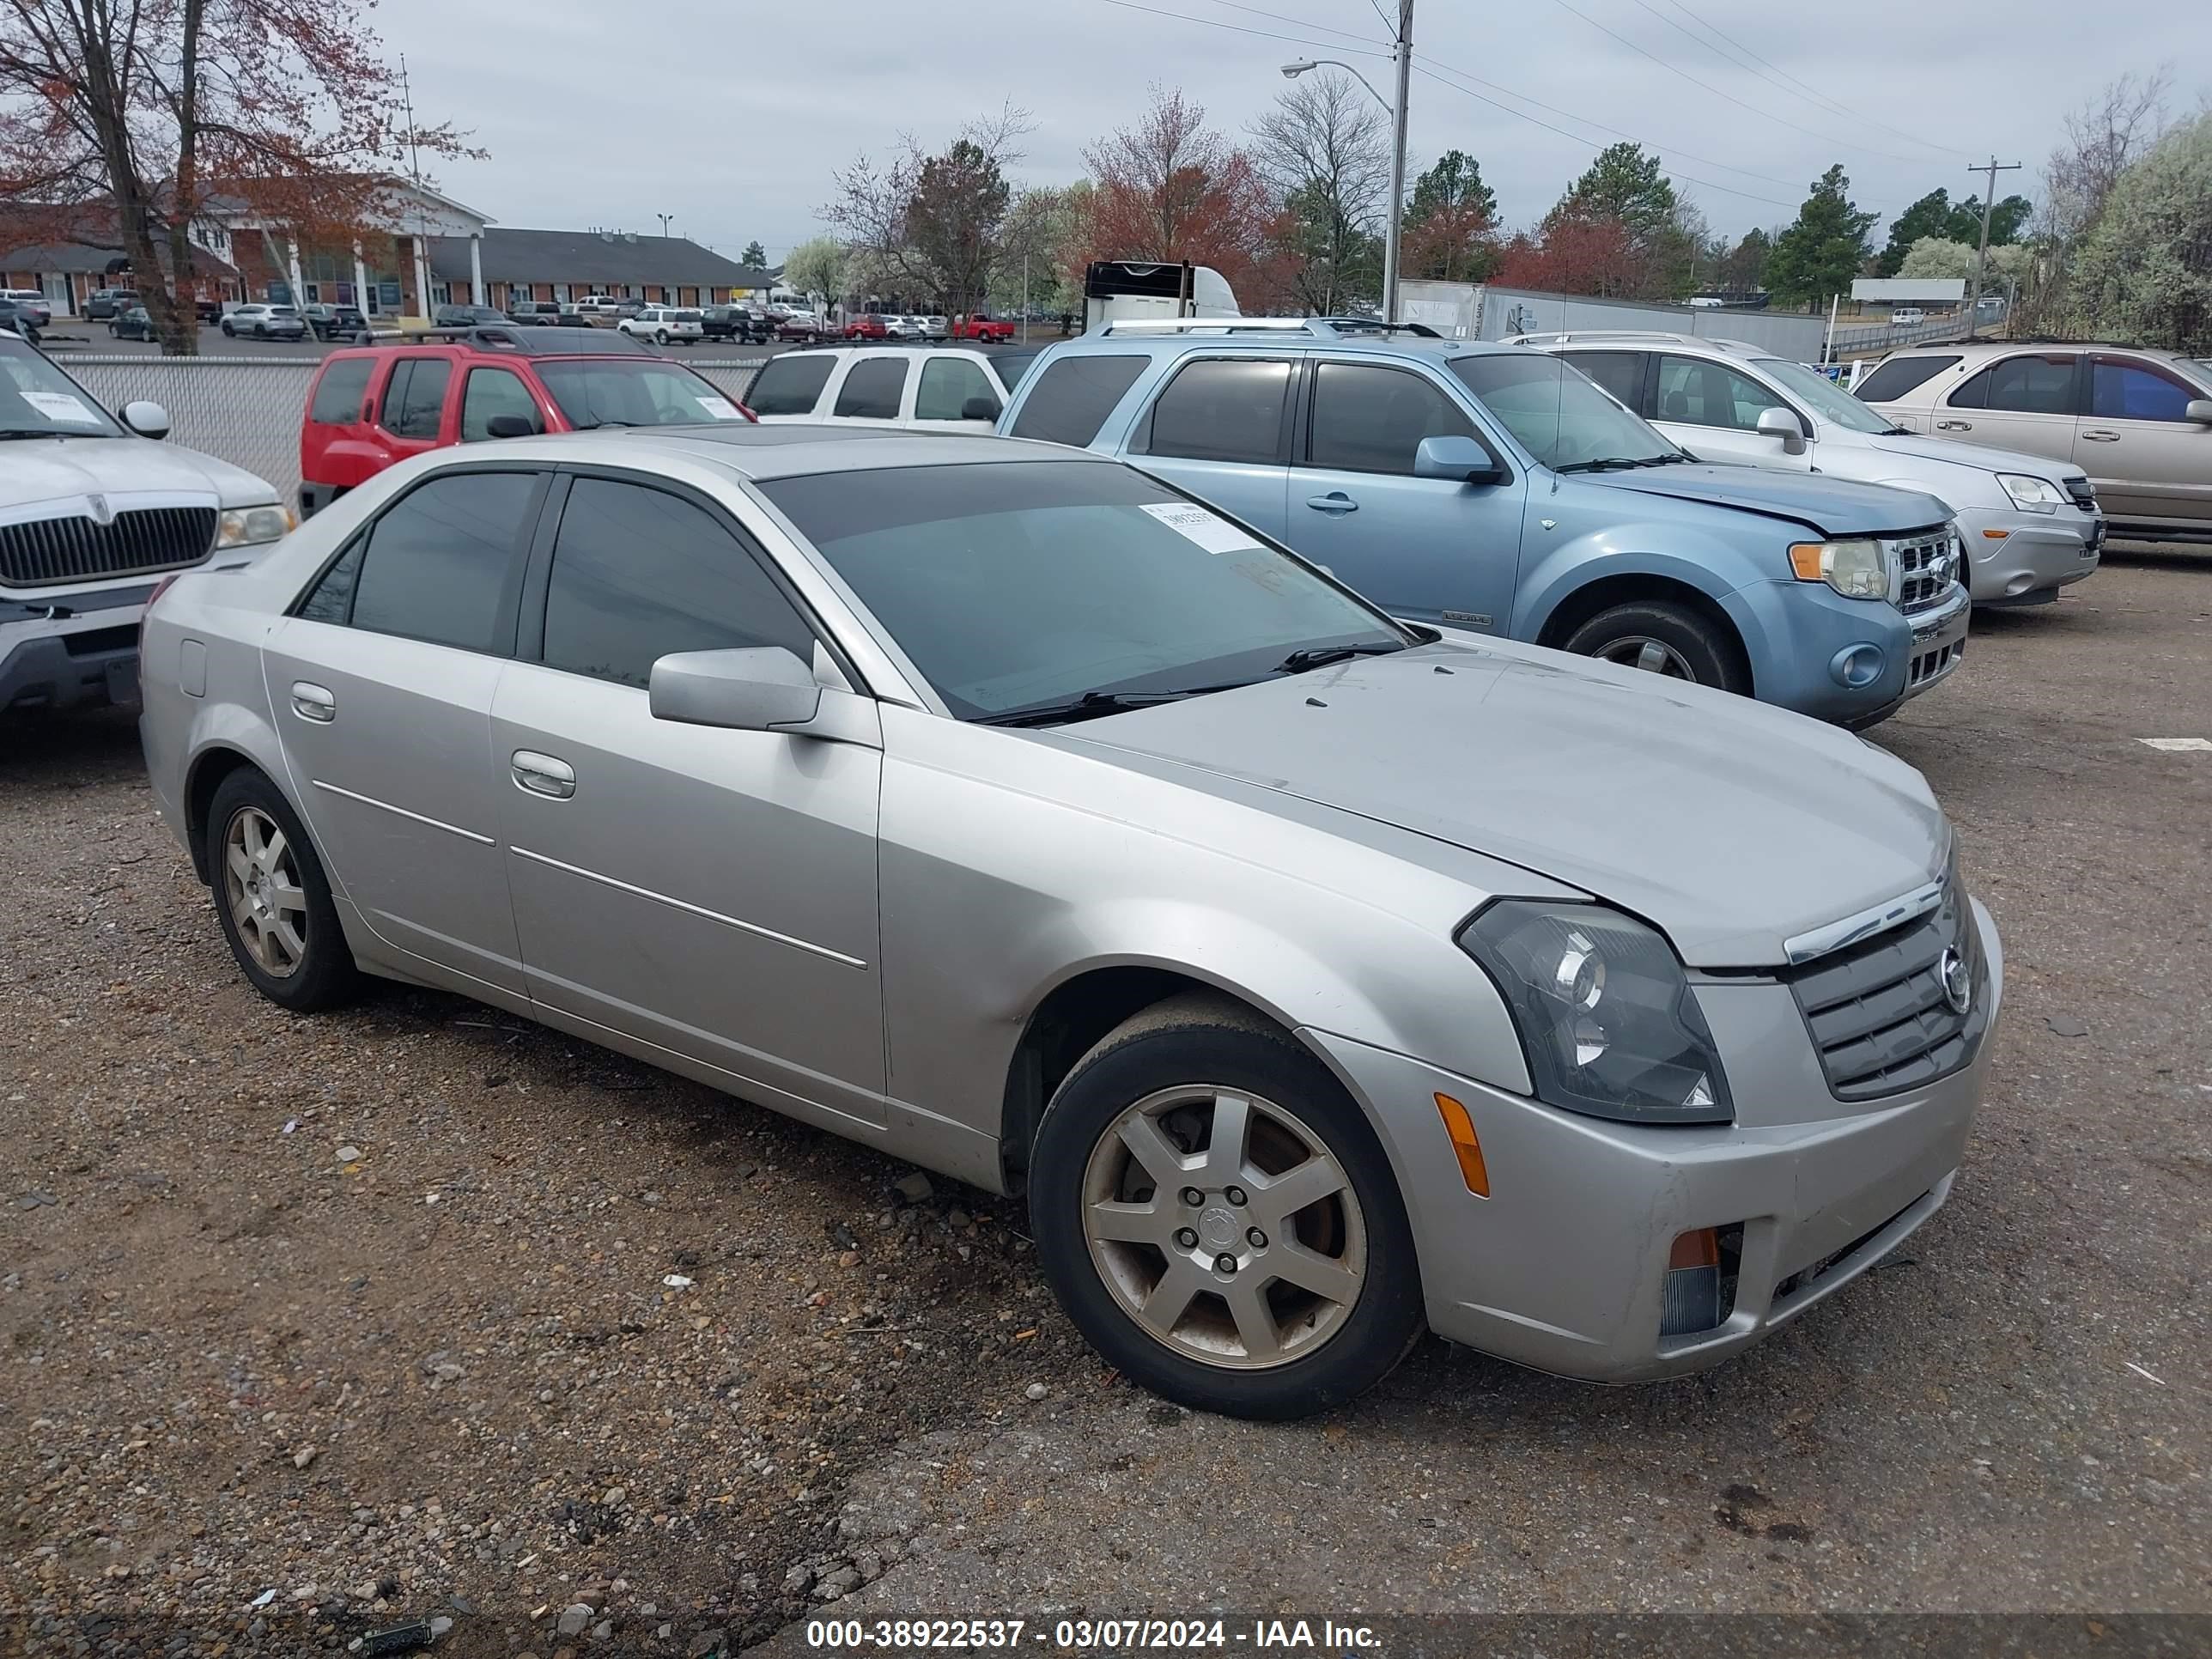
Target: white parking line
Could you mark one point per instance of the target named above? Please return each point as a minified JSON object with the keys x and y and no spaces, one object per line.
{"x":2175,"y":743}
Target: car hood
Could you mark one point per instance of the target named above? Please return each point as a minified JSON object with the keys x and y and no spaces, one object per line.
{"x":1831,"y":506}
{"x":1976,"y":457}
{"x":43,"y":472}
{"x":1731,"y":825}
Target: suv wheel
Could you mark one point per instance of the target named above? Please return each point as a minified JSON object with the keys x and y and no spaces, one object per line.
{"x":1218,"y":1220}
{"x":229,"y":332}
{"x":661,"y":336}
{"x":1664,"y":638}
{"x":272,"y":898}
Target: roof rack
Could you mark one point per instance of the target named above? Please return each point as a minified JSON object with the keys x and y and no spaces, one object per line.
{"x":1321,"y":327}
{"x":1583,"y":335}
{"x":514,"y":337}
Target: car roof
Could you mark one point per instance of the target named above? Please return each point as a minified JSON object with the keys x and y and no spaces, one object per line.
{"x":509,"y":340}
{"x":1633,"y":339}
{"x":1276,"y":340}
{"x":1978,"y":349}
{"x":791,"y":449}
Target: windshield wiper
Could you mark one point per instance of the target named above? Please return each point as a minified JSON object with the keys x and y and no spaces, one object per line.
{"x":1320,"y":656}
{"x":1674,"y":458}
{"x":38,"y":432}
{"x":1899,"y":431}
{"x":1605,"y":463}
{"x":1089,"y":706}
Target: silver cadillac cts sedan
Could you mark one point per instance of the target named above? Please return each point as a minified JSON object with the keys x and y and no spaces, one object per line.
{"x":1318,"y":978}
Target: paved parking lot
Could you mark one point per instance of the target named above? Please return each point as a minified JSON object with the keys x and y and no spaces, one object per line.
{"x":416,"y":1310}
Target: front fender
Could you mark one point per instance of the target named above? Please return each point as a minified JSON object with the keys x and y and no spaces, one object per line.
{"x":1696,"y":559}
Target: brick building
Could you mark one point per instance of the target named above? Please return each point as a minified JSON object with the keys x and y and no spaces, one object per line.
{"x":501,"y":266}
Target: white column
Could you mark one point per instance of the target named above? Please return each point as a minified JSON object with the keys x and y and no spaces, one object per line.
{"x":476,"y":269}
{"x":292,"y":269}
{"x":360,"y":280}
{"x":422,"y":277}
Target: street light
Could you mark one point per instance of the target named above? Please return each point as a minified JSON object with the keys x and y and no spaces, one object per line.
{"x":1402,"y":50}
{"x":666,"y":219}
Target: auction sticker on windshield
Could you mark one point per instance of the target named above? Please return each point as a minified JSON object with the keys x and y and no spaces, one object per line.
{"x":721,"y":408}
{"x":60,"y":406}
{"x":1211,"y":532}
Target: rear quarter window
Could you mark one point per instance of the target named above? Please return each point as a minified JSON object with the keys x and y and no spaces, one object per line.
{"x":340,"y":392}
{"x":1900,"y":375}
{"x":1071,"y":399}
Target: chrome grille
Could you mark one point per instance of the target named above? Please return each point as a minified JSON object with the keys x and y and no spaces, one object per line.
{"x":1877,"y":1010}
{"x":1927,"y":566}
{"x":48,"y":551}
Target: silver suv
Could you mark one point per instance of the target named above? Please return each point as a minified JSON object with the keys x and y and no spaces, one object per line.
{"x":1317,"y":976}
{"x":2030,"y":522}
{"x":2140,"y":423}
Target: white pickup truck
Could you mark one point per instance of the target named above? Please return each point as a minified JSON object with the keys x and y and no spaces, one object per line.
{"x":93,"y":513}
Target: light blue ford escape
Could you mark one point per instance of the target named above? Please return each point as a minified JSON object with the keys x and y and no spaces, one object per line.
{"x":1497,"y":488}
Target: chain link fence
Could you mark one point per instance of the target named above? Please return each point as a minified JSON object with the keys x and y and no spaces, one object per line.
{"x":246,"y":411}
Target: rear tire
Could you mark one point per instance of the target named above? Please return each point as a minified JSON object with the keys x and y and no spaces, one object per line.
{"x":273,"y":899}
{"x":1668,"y":638}
{"x":1324,"y":1295}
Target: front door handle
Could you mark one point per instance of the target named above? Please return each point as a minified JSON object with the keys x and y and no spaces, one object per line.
{"x":314,"y":702}
{"x":542,"y":774}
{"x":1954,"y":426}
{"x":2102,"y":437}
{"x":1335,"y":502}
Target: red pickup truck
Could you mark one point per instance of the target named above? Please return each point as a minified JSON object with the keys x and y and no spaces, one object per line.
{"x":980,"y":327}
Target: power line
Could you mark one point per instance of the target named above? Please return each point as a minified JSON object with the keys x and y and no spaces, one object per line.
{"x":1707,"y":86}
{"x":1802,"y":88}
{"x":1269,"y":34}
{"x":1375,"y":6}
{"x":1280,"y":17}
{"x":1702,"y":183}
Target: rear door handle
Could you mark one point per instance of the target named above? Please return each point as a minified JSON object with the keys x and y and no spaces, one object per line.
{"x":314,"y":702}
{"x":542,"y":774}
{"x":1954,"y":426}
{"x":1335,"y":502}
{"x":2102,"y":437}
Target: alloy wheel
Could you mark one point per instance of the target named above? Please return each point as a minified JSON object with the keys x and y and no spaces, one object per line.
{"x":261,"y":885}
{"x":1652,"y":656}
{"x":1225,"y":1227}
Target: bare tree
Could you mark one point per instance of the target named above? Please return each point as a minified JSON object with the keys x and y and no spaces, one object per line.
{"x":1324,"y":150}
{"x":2103,"y":136}
{"x":929,"y":224}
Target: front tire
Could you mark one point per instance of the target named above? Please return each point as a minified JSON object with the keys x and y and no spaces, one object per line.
{"x":273,"y":898}
{"x":661,"y":336}
{"x":1661,"y":637}
{"x":1290,"y":1284}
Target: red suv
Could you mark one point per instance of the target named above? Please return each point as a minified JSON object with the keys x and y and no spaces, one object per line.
{"x":866,"y":327}
{"x":372,"y":405}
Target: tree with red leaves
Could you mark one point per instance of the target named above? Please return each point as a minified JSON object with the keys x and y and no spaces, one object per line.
{"x":137,"y":114}
{"x":1171,"y":189}
{"x":1571,"y":256}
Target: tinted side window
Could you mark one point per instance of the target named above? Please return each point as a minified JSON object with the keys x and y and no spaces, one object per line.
{"x":2130,"y":392}
{"x":331,"y":599}
{"x":2029,"y":386}
{"x":438,"y":561}
{"x":638,"y":573}
{"x":1712,"y":394}
{"x":872,"y":389}
{"x":415,"y":397}
{"x":1900,"y":375}
{"x":947,"y":384}
{"x":1372,"y":419}
{"x":789,"y":385}
{"x":1072,"y":398}
{"x":338,"y":394}
{"x":1222,"y":410}
{"x":1620,"y":372}
{"x":489,"y":391}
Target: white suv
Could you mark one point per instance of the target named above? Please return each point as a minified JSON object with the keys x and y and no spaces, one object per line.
{"x":939,"y":388}
{"x":665,"y":326}
{"x":2031,"y":525}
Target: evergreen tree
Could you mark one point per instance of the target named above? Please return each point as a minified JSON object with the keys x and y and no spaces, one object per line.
{"x":1820,"y":254}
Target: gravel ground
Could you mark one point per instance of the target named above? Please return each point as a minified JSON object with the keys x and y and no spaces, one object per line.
{"x":416,"y":1312}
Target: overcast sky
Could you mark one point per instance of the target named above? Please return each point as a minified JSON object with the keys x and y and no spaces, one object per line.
{"x":733,"y":118}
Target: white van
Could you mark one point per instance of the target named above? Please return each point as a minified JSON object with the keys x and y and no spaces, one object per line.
{"x":1906,"y":316}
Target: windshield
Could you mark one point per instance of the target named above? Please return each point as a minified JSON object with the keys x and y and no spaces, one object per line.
{"x":598,"y":392}
{"x":1022,"y":585}
{"x":36,"y":398}
{"x":1829,"y":401}
{"x":1560,"y":414}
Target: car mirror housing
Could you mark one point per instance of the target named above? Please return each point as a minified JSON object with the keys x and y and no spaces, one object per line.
{"x":987,"y":409}
{"x":1459,"y":459}
{"x":511,"y":426}
{"x":1779,"y":423}
{"x":757,"y":689}
{"x":2198,"y":410}
{"x":148,"y":420}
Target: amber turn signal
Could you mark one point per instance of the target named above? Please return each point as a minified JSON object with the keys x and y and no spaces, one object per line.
{"x":1460,"y":1128}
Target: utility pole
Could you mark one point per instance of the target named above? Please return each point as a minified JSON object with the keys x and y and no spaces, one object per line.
{"x":1982,"y":257}
{"x":1402,"y":50}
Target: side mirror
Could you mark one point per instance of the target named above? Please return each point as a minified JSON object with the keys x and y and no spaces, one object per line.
{"x":980,"y":409}
{"x":511,"y":426}
{"x":1781,"y":423}
{"x":2198,"y":410}
{"x":148,"y":420}
{"x":1460,"y":460}
{"x":757,"y":688}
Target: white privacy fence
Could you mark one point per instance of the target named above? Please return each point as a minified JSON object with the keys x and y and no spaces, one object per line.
{"x":246,"y":411}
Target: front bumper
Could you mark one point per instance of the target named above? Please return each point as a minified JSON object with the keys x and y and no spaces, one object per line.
{"x":1563,"y":1268}
{"x":2035,"y":555}
{"x":1799,"y":634}
{"x":75,"y":650}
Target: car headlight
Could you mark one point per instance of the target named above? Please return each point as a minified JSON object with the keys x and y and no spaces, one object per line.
{"x":249,"y":526}
{"x":2032,"y":494}
{"x":1853,"y":568}
{"x":1605,"y":1015}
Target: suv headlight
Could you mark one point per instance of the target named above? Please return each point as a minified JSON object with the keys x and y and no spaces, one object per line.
{"x":2032,"y":494}
{"x":1608,"y":1019}
{"x":249,"y":526}
{"x":1855,"y":568}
